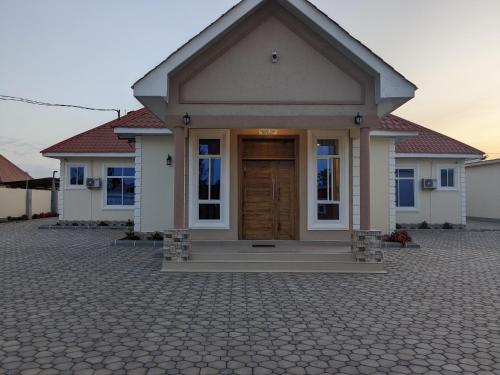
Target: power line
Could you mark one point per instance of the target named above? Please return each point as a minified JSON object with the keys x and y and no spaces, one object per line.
{"x":36,"y":102}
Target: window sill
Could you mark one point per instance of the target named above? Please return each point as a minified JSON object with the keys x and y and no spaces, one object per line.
{"x":216,"y":226}
{"x":327,"y":226}
{"x":407,"y":209}
{"x":118,"y":208}
{"x":75,"y":187}
{"x":446,"y":189}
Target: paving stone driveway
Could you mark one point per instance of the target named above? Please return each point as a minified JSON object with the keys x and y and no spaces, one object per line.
{"x":69,"y":303}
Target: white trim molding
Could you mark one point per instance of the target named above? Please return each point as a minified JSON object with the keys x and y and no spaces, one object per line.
{"x":463,"y":193}
{"x":388,"y":133}
{"x":438,"y":156}
{"x":456,"y":177}
{"x":57,"y":155}
{"x":105,"y":206}
{"x":416,"y":190}
{"x":312,"y":222}
{"x":392,"y":186}
{"x":67,"y":176}
{"x":143,"y":131}
{"x":62,"y":185}
{"x":356,"y":188}
{"x":194,"y":136}
{"x":138,"y":185}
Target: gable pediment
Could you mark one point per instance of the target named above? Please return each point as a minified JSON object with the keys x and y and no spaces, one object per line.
{"x":244,"y":73}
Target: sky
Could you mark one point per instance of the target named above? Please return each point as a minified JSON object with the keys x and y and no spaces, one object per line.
{"x":90,"y":53}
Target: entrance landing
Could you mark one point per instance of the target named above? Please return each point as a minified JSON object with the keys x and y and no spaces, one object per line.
{"x":272,"y":256}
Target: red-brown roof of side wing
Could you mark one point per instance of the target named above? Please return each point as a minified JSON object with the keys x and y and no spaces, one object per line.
{"x":11,"y":172}
{"x":427,"y":141}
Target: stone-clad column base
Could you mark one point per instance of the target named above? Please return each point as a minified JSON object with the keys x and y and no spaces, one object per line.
{"x":366,"y":246}
{"x":177,"y":245}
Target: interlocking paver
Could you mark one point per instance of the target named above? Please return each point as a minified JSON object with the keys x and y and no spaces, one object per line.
{"x":72,"y":304}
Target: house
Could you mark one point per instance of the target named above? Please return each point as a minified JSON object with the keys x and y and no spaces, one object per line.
{"x":483,"y":190}
{"x":10,"y":172}
{"x":273,"y":123}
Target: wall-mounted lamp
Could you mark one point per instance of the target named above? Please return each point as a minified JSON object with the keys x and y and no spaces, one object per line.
{"x":358,"y":120}
{"x":274,"y":57}
{"x":186,"y":119}
{"x":169,"y":160}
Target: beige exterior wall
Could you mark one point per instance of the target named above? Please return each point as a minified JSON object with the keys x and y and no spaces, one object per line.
{"x":483,"y":191}
{"x":157,"y":193}
{"x":40,"y":201}
{"x":433,"y":206}
{"x":89,"y":205}
{"x":12,"y":202}
{"x":379,"y":180}
{"x":311,"y":77}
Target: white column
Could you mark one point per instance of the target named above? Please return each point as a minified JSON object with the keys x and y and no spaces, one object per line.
{"x":138,"y":184}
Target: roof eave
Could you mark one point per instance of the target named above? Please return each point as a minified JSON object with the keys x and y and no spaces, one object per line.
{"x":417,"y":155}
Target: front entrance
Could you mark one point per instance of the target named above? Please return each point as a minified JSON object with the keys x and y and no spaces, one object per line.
{"x":268,"y":189}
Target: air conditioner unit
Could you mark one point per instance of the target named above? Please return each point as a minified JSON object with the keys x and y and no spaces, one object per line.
{"x":94,"y":183}
{"x":429,"y":183}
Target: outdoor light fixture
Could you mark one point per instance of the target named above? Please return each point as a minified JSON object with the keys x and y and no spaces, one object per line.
{"x":274,"y":57}
{"x":186,"y":119}
{"x":358,"y":120}
{"x":169,"y":160}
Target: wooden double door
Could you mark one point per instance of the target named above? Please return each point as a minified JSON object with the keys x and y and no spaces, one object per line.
{"x":269,"y":201}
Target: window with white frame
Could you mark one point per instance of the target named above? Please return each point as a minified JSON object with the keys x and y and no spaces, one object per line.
{"x":208,"y":183}
{"x":209,"y":179}
{"x":327,"y":180}
{"x":328,"y":185}
{"x":76,"y":176}
{"x":405,"y":187}
{"x":447,"y":177}
{"x":120,"y":186}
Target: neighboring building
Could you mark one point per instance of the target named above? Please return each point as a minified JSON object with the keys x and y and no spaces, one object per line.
{"x":10,"y":172}
{"x":483,"y":190}
{"x":274,"y":125}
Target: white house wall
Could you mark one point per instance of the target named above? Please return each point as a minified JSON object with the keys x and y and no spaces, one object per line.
{"x":83,"y":204}
{"x":433,"y":206}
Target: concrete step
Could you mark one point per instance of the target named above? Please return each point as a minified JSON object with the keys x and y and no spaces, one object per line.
{"x":271,"y":256}
{"x":278,"y":266}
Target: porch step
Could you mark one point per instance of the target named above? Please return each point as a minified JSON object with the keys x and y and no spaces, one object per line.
{"x":278,"y":266}
{"x":267,"y":256}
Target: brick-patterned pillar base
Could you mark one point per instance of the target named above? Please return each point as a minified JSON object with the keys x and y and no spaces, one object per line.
{"x":366,"y":246}
{"x":177,"y":245}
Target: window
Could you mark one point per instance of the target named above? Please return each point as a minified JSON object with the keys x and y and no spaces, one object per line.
{"x":76,"y":176}
{"x":405,"y":187}
{"x":209,"y":179}
{"x":120,"y":186}
{"x":328,"y":185}
{"x":208,"y":187}
{"x":328,"y":179}
{"x":447,"y":177}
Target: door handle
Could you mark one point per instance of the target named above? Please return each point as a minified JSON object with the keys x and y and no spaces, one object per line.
{"x":274,"y":188}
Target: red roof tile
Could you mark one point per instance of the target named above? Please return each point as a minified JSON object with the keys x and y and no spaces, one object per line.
{"x":11,"y":172}
{"x":427,"y":141}
{"x":103,"y":139}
